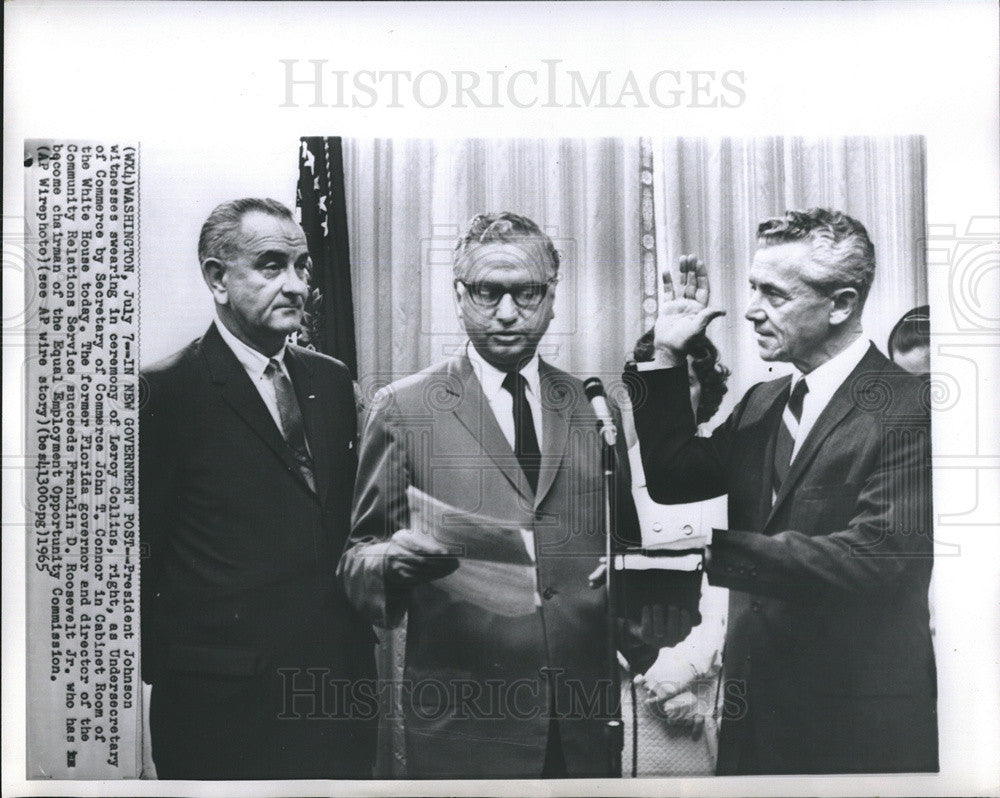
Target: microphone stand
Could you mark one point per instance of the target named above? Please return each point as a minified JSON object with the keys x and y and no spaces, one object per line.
{"x":614,"y":731}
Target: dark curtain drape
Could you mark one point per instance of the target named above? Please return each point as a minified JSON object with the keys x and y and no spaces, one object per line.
{"x":323,"y":212}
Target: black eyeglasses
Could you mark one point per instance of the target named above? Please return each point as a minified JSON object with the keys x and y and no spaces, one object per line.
{"x":527,"y":296}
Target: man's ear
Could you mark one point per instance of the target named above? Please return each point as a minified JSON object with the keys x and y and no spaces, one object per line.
{"x":213,"y":271}
{"x":845,"y":302}
{"x":457,"y":289}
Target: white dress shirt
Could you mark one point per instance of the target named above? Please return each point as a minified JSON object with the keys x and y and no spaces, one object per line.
{"x":255,"y":363}
{"x":501,"y":402}
{"x":823,"y":382}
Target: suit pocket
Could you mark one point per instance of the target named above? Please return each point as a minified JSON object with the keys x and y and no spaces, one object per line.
{"x":824,"y":493}
{"x":821,"y":509}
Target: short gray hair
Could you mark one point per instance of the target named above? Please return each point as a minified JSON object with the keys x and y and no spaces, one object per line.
{"x":486,"y":228}
{"x":841,"y":248}
{"x":216,"y":239}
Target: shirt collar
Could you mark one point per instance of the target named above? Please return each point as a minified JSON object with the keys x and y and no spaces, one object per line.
{"x":824,"y":380}
{"x":253,"y":361}
{"x":491,"y":378}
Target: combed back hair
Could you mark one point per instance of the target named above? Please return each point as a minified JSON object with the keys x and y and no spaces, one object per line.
{"x":911,"y":331}
{"x":487,"y":228}
{"x":217,"y":234}
{"x":843,"y":254}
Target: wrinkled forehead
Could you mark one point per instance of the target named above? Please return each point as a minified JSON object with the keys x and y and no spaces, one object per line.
{"x":785,"y":264}
{"x":261,"y":232}
{"x":524,"y":260}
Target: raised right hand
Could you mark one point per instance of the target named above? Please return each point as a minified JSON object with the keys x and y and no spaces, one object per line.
{"x":414,"y":559}
{"x":683,"y":317}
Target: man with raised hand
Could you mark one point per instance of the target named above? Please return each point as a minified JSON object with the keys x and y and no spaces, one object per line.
{"x":828,"y":662}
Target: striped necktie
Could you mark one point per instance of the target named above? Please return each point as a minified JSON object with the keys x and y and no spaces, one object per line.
{"x":787,"y":431}
{"x":291,"y":420}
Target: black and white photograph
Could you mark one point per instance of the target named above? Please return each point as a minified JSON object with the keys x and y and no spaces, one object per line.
{"x":405,"y":418}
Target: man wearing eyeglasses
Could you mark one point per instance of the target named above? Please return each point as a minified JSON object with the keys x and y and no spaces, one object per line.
{"x":496,"y":431}
{"x":247,"y":467}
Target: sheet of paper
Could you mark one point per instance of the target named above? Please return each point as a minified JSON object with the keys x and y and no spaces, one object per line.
{"x":496,"y":572}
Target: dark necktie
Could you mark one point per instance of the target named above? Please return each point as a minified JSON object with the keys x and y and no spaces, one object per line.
{"x":525,"y":440}
{"x":291,"y":420}
{"x":787,"y":431}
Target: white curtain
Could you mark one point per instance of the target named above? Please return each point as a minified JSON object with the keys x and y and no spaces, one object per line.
{"x":619,"y":210}
{"x":408,"y":201}
{"x":710,"y":195}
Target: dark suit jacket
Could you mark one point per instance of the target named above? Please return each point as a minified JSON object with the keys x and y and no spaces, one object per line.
{"x":475,"y":702}
{"x":828,"y":659}
{"x":238,"y":575}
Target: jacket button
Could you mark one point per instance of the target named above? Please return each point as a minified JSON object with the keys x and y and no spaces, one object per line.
{"x":548,"y":593}
{"x":756,"y":607}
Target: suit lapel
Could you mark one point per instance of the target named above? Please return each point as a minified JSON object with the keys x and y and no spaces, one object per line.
{"x":473,"y":411}
{"x":555,"y":428}
{"x":315,"y":418}
{"x":841,"y":403}
{"x":237,"y":390}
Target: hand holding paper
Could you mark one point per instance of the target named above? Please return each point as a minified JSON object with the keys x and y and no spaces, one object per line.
{"x":490,"y":561}
{"x":415,"y":559}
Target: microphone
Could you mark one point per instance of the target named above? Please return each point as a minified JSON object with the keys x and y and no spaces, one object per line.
{"x":594,"y":390}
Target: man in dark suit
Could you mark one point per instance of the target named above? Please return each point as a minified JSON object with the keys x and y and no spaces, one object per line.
{"x":828,"y":661}
{"x":497,"y":431}
{"x":246,"y":473}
